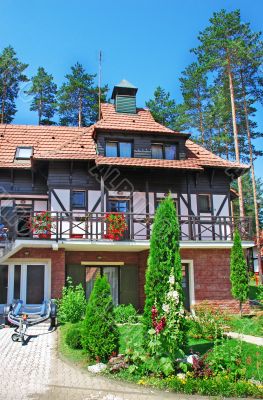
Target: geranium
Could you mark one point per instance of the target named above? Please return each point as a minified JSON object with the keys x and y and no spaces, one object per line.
{"x":116,"y":226}
{"x":41,"y":223}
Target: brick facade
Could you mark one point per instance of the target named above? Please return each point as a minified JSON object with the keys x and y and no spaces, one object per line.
{"x":211,"y":271}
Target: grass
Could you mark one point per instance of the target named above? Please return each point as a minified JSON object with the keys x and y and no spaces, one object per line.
{"x":247,"y":325}
{"x":76,"y":356}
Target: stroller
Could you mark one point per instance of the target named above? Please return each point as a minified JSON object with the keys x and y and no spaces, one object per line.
{"x":22,"y":317}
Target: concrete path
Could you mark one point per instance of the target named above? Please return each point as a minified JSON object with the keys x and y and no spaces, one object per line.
{"x":35,"y":372}
{"x":246,"y":338}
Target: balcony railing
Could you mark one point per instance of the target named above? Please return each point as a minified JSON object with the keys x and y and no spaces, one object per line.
{"x":92,"y":226}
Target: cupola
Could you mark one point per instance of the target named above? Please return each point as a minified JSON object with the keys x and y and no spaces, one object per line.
{"x":124,"y":96}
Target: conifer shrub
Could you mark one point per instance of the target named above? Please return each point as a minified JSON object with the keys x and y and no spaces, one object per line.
{"x":164,"y":321}
{"x":100,"y":333}
{"x":238,"y":272}
{"x":74,"y":336}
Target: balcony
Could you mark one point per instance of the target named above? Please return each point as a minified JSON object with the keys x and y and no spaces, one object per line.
{"x":91,"y":226}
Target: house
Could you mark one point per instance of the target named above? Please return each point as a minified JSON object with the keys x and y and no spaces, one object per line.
{"x":125,"y":163}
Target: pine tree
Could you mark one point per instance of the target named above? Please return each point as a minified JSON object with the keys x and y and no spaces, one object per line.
{"x":164,"y":263}
{"x":165,"y":110}
{"x":238,"y":272}
{"x":11,"y":75}
{"x":100,"y":335}
{"x":44,"y":92}
{"x":195,"y":93}
{"x":78,"y":98}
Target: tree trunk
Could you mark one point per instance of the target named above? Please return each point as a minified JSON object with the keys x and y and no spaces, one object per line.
{"x":240,"y":309}
{"x":235,"y":131}
{"x":40,"y":111}
{"x":253,"y":177}
{"x":201,"y":125}
{"x":80,"y":111}
{"x":3,"y":102}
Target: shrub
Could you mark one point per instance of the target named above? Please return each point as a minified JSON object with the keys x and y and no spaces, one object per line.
{"x":238,"y":272}
{"x":164,"y":322}
{"x":72,"y":305}
{"x":207,"y":323}
{"x":74,"y":336}
{"x":125,"y":314}
{"x":100,"y":334}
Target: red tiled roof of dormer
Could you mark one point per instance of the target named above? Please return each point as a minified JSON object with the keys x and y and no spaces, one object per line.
{"x":142,"y":121}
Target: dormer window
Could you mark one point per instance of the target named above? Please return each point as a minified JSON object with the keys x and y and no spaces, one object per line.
{"x":118,"y":149}
{"x":124,"y":96}
{"x":24,"y":153}
{"x":164,"y":151}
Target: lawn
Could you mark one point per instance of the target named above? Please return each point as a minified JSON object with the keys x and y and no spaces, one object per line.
{"x":248,"y":325}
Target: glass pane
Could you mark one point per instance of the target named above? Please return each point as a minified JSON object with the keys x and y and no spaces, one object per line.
{"x":17,"y":281}
{"x":129,"y":285}
{"x":185,"y":284}
{"x":78,"y":199}
{"x":112,"y":276}
{"x":3,"y":283}
{"x":157,"y":151}
{"x":111,"y":149}
{"x":118,"y":206}
{"x":24,"y":152}
{"x":204,"y":203}
{"x":91,"y":274}
{"x":77,"y":274}
{"x":170,"y":151}
{"x":125,"y":149}
{"x":35,"y":284}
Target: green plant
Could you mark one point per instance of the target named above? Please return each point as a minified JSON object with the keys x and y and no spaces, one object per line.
{"x":74,"y":336}
{"x":238,"y":272}
{"x":100,"y":333}
{"x":116,"y":226}
{"x":72,"y":305}
{"x":207,"y":323}
{"x":125,"y":314}
{"x":164,"y":323}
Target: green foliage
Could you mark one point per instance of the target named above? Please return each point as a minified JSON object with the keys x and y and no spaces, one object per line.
{"x":100,"y":335}
{"x":72,"y":305}
{"x":207,"y":323}
{"x":238,"y":272}
{"x":44,"y":92}
{"x":78,"y":98}
{"x":74,"y":336}
{"x":11,"y":75}
{"x":167,"y":112}
{"x":125,"y":314}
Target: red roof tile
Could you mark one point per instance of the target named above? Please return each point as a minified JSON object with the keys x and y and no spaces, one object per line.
{"x":142,"y":121}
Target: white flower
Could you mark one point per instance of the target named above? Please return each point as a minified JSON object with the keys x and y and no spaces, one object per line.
{"x":166,"y":308}
{"x":171,"y":279}
{"x":190,"y":359}
{"x":181,"y":376}
{"x":173,"y":294}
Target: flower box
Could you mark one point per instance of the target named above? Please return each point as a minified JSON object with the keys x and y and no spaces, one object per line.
{"x":76,"y":236}
{"x":44,"y":235}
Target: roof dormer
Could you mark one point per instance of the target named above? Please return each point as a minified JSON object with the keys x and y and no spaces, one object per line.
{"x":124,"y":96}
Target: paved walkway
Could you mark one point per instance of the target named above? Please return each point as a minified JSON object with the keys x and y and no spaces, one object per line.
{"x":246,"y":338}
{"x":35,"y":372}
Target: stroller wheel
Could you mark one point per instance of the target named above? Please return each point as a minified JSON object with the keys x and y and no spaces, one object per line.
{"x":15,"y":337}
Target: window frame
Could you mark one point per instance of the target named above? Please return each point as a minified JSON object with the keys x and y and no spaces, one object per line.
{"x":17,"y":157}
{"x":85,"y":199}
{"x":118,"y":142}
{"x":201,"y":210}
{"x":163,"y":145}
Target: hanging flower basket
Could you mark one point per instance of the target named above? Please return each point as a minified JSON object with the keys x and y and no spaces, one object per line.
{"x":116,"y":226}
{"x":41,"y":224}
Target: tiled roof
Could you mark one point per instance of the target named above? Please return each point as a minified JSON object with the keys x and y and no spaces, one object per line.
{"x":70,"y":143}
{"x":48,"y":142}
{"x":148,"y":162}
{"x":142,"y":121}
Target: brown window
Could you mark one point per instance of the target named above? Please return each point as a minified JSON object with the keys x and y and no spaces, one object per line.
{"x":164,"y":151}
{"x":204,"y":203}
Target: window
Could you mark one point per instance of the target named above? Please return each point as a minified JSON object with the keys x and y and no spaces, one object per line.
{"x":78,"y":199}
{"x":204,"y":203}
{"x":24,"y":153}
{"x":157,"y":151}
{"x":118,"y":149}
{"x":164,"y":151}
{"x":121,"y":205}
{"x":160,"y":199}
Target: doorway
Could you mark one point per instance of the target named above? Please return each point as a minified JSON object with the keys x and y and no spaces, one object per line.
{"x":3,"y":285}
{"x":23,"y":222}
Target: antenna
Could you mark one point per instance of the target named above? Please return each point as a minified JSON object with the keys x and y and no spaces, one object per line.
{"x":99,"y":79}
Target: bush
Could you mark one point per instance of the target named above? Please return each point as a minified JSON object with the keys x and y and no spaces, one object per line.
{"x":74,"y":336}
{"x":72,"y":305}
{"x":100,"y":334}
{"x":125,"y":314}
{"x":207,"y":323}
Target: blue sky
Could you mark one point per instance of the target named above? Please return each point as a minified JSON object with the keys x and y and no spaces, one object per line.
{"x":146,"y":42}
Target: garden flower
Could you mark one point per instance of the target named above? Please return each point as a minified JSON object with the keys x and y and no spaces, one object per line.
{"x":171,"y":279}
{"x":166,"y":308}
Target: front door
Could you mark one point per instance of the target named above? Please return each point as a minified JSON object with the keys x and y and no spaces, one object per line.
{"x":3,"y":286}
{"x":35,"y":284}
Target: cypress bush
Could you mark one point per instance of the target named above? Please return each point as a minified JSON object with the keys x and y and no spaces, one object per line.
{"x":100,"y":333}
{"x":163,"y":287}
{"x":238,"y":272}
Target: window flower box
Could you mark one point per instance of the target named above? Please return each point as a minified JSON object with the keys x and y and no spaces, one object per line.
{"x":116,"y":225}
